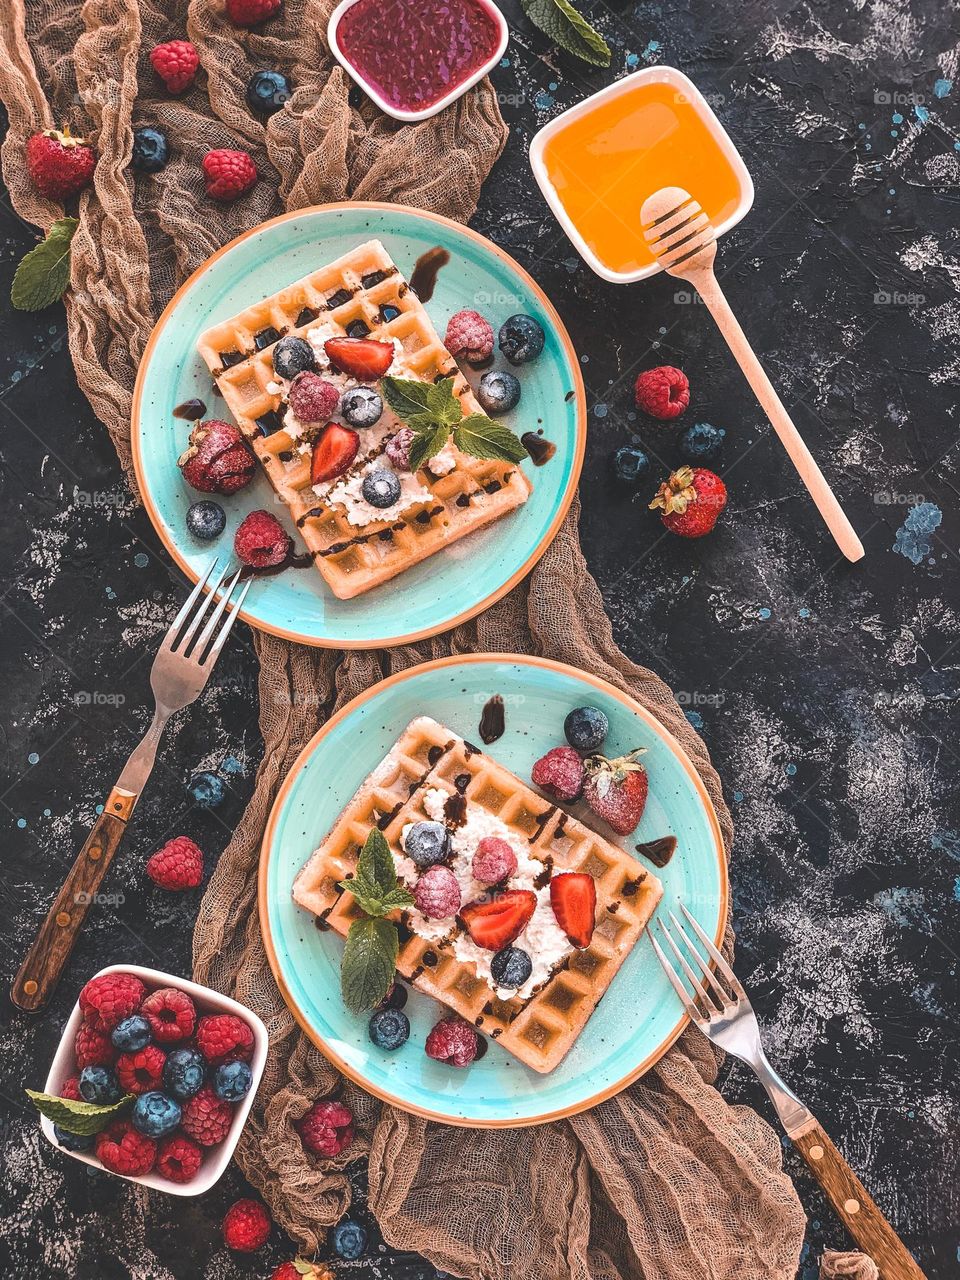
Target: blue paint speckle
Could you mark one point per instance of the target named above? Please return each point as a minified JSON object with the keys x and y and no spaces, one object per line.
{"x":231,"y":765}
{"x":894,"y":134}
{"x":804,"y":612}
{"x":600,"y":410}
{"x":504,"y":62}
{"x":21,"y":823}
{"x":695,"y":718}
{"x":763,"y":613}
{"x":207,"y":789}
{"x":99,"y":809}
{"x":46,"y":813}
{"x":111,"y":594}
{"x":897,"y":118}
{"x":544,"y":101}
{"x":942,"y":87}
{"x":738,"y":796}
{"x":913,"y":537}
{"x":141,"y":560}
{"x":632,"y":59}
{"x":33,"y":758}
{"x":956,"y":888}
{"x":922,"y":113}
{"x":651,"y":51}
{"x":552,"y":86}
{"x":790,"y":770}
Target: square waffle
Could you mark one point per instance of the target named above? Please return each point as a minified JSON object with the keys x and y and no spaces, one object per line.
{"x":538,"y":1030}
{"x":360,"y":294}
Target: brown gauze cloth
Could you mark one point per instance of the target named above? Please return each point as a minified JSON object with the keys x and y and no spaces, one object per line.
{"x":664,"y":1181}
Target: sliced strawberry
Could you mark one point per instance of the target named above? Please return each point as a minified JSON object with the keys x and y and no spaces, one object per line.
{"x":493,"y":923}
{"x":574,"y":900}
{"x":362,"y":358}
{"x":333,"y":451}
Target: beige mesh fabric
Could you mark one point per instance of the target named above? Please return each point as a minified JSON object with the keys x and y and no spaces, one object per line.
{"x":663,"y":1182}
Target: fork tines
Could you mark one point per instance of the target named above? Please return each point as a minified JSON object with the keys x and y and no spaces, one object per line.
{"x":203,"y":649}
{"x":709,"y":997}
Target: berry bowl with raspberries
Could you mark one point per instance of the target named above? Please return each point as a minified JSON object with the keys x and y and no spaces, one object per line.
{"x":173,"y":1067}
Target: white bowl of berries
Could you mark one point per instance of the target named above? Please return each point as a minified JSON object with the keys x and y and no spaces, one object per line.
{"x":153,"y":1079}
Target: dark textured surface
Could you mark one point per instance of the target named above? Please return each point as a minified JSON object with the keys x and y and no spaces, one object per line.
{"x":827,"y":693}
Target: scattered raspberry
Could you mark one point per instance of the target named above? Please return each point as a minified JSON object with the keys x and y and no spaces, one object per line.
{"x":437,"y":894}
{"x":470,"y":336}
{"x":247,"y":13}
{"x":559,"y":773}
{"x":312,"y":398}
{"x":217,"y":459}
{"x":178,"y":1158}
{"x":454,"y":1041}
{"x":261,"y":540}
{"x":663,"y":392}
{"x":71,"y":1088}
{"x":59,"y":165}
{"x":121,"y":1149}
{"x":206,"y":1118}
{"x":176,"y":63}
{"x":616,"y":790}
{"x":691,"y":501}
{"x":223,"y":1037}
{"x":93,"y":1049}
{"x":178,"y":865}
{"x":105,"y":1001}
{"x":493,"y":861}
{"x":228,"y":174}
{"x":141,"y":1071}
{"x":246,"y":1226}
{"x":301,"y":1270}
{"x":171,"y":1015}
{"x":327,"y":1128}
{"x":398,"y":448}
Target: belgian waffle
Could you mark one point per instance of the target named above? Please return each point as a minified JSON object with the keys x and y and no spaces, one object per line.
{"x":541,"y":1029}
{"x":360,"y":294}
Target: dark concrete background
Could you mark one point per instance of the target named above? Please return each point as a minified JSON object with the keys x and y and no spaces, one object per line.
{"x":827,"y":693}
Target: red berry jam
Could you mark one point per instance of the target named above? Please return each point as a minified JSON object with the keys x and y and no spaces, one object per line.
{"x":423,"y":52}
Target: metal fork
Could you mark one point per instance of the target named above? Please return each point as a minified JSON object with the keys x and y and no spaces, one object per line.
{"x":180,"y":671}
{"x":725,"y":1015}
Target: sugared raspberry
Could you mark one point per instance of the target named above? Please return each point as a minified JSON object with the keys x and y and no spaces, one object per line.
{"x":246,"y":1226}
{"x":247,"y":13}
{"x":228,"y":174}
{"x":398,"y":448}
{"x":437,"y":894}
{"x":559,"y":773}
{"x":327,"y":1128}
{"x":301,"y":1270}
{"x":493,"y":861}
{"x":171,"y":1014}
{"x":206,"y":1118}
{"x":107,"y":1000}
{"x":141,"y":1071}
{"x":178,"y":1158}
{"x":312,"y":398}
{"x":121,"y":1149}
{"x":223,"y":1037}
{"x":663,"y":392}
{"x":217,"y":459}
{"x":454,"y":1041}
{"x":261,"y":540}
{"x":177,"y":865}
{"x":176,"y":63}
{"x":93,"y":1049}
{"x":71,"y":1088}
{"x":470,"y":336}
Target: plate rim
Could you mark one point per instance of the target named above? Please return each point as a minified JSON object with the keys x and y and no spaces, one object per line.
{"x":566,"y":498}
{"x":268,"y":840}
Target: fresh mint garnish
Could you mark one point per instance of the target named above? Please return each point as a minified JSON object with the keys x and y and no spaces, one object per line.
{"x":432,"y":411}
{"x":44,"y":273}
{"x":370,"y":956}
{"x":83,"y":1118}
{"x":483,"y":438}
{"x":559,"y":20}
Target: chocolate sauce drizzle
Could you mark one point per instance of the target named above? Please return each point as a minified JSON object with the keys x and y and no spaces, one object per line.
{"x":659,"y":852}
{"x":539,"y":449}
{"x":492,"y":719}
{"x":192,"y":410}
{"x":423,"y":278}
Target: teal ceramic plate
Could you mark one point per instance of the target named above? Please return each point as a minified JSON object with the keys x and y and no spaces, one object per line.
{"x":448,"y":587}
{"x":640,"y":1015}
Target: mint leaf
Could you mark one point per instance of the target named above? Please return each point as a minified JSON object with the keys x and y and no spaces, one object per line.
{"x":444,"y":405}
{"x":409,"y":398}
{"x":397,"y":899}
{"x":376,"y":862}
{"x":561,"y":22}
{"x":84,"y":1118}
{"x":427,"y":443}
{"x":44,"y":273}
{"x":481,"y":437}
{"x":369,"y":963}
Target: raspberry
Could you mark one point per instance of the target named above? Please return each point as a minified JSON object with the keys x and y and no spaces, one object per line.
{"x":398,"y":448}
{"x":261,"y":540}
{"x":107,"y":1000}
{"x":93,"y":1049}
{"x":59,"y":165}
{"x":206,"y":1118}
{"x":454,"y":1041}
{"x":663,"y":392}
{"x":176,"y":63}
{"x":312,"y":398}
{"x":559,"y":773}
{"x":122,"y":1150}
{"x":71,"y":1089}
{"x":493,"y":861}
{"x":246,"y":1226}
{"x":142,"y":1071}
{"x":470,"y":336}
{"x":178,"y":1158}
{"x":217,"y":459}
{"x":247,"y":13}
{"x":223,"y":1037}
{"x":327,"y":1128}
{"x":301,"y":1270}
{"x":177,"y":865}
{"x":171,"y":1015}
{"x":437,"y":894}
{"x":228,"y":174}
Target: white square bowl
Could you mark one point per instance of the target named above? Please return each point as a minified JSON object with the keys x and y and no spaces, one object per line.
{"x":215,"y":1159}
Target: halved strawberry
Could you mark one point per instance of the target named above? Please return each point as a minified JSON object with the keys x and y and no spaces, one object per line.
{"x":362,"y":358}
{"x":493,"y":923}
{"x":574,"y":900}
{"x":333,"y":451}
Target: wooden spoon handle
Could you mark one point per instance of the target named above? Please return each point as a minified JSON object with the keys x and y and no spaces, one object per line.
{"x":856,"y":1210}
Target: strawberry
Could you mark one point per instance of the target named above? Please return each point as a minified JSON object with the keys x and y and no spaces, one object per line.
{"x":333,"y":451}
{"x":361,"y":358}
{"x":495,"y":922}
{"x":59,"y":164}
{"x":691,"y":501}
{"x":616,"y":790}
{"x":574,"y":900}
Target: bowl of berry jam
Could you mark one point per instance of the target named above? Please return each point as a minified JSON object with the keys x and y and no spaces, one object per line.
{"x":424,"y":57}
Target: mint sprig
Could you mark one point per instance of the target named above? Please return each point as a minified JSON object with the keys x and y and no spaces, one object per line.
{"x":82,"y":1118}
{"x":561,"y":22}
{"x":44,"y":273}
{"x":370,"y":956}
{"x":432,"y":412}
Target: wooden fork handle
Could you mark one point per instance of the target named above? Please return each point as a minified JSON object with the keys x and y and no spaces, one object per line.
{"x":853,"y":1205}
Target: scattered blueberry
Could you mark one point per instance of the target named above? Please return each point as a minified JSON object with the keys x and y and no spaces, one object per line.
{"x":395,"y":998}
{"x":232,"y":1081}
{"x":183,"y":1073}
{"x":207,"y":789}
{"x":292,"y":356}
{"x":206,"y":520}
{"x":349,"y":1240}
{"x":361,"y":407}
{"x":100,"y":1085}
{"x":154,"y":1114}
{"x":267,"y":91}
{"x":427,"y":843}
{"x":631,"y":464}
{"x":150,"y":151}
{"x":131,"y":1035}
{"x":511,"y":967}
{"x":520,"y":339}
{"x":586,"y":728}
{"x":389,"y":1029}
{"x":498,"y":392}
{"x":72,"y":1141}
{"x":701,"y":442}
{"x":381,"y":488}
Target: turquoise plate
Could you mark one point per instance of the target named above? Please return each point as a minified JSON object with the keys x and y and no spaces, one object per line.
{"x":640,"y":1015}
{"x":445,"y":589}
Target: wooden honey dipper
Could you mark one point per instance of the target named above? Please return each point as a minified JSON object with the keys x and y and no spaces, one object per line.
{"x":682,"y":239}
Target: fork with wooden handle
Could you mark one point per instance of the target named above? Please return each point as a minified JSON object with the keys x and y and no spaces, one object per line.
{"x":724,"y":1014}
{"x":682,"y":239}
{"x":180,"y":672}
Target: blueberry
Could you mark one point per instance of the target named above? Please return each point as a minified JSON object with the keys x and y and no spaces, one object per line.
{"x":150,"y":150}
{"x":520,"y":339}
{"x":349,"y":1240}
{"x":381,"y":488}
{"x":498,"y":392}
{"x":631,"y":464}
{"x":389,"y":1029}
{"x":361,"y":407}
{"x":586,"y":728}
{"x":232,"y":1081}
{"x":701,"y":442}
{"x":395,"y":998}
{"x":183,"y":1073}
{"x":427,"y":843}
{"x":72,"y":1141}
{"x":154,"y":1114}
{"x":131,"y":1035}
{"x":292,"y":356}
{"x":511,"y":967}
{"x":100,"y":1085}
{"x":206,"y":520}
{"x":267,"y":91}
{"x":207,"y":790}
